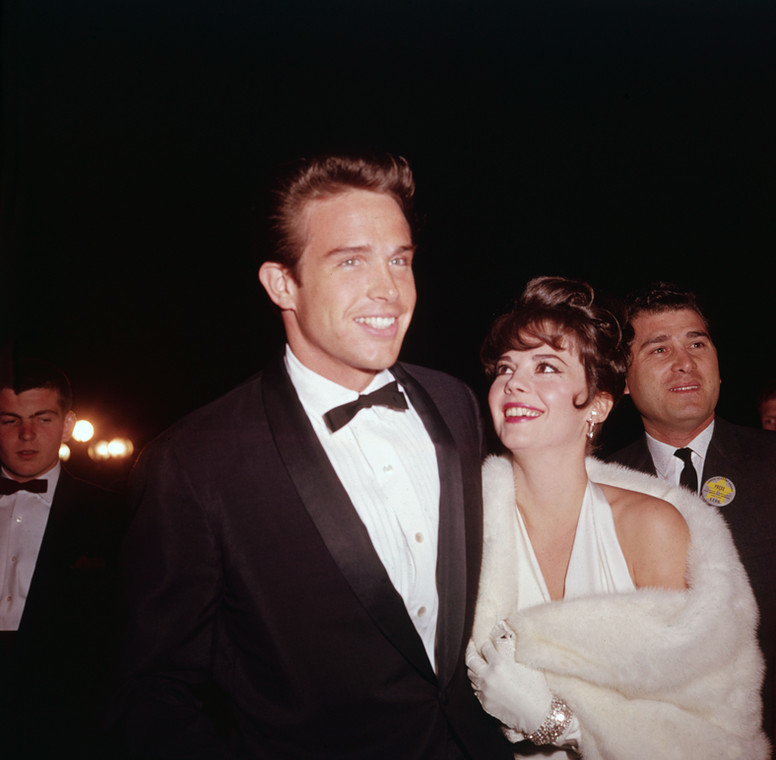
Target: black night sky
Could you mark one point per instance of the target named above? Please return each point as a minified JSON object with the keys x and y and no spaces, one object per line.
{"x":619,"y":142}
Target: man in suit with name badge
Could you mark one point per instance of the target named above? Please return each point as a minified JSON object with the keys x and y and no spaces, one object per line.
{"x":59,"y":541}
{"x":674,"y":382}
{"x":300,"y":575}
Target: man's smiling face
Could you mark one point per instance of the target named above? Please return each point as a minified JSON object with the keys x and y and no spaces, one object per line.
{"x":347,"y":315}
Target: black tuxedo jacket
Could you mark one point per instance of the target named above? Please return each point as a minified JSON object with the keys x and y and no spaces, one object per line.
{"x":54,"y":667}
{"x":260,"y":620}
{"x":746,"y":457}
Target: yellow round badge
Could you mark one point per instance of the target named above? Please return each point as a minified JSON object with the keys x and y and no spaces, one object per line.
{"x":718,"y":491}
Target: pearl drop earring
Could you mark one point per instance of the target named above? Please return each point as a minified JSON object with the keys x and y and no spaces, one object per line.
{"x":591,"y":422}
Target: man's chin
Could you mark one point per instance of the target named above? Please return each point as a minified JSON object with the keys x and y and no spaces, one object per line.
{"x":29,"y":470}
{"x":379,"y":360}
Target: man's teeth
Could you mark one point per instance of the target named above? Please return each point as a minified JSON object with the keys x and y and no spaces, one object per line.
{"x":521,"y":411}
{"x":378,"y":323}
{"x":685,"y":388}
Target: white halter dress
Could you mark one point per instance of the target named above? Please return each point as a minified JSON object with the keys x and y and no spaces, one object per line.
{"x":597,"y":566}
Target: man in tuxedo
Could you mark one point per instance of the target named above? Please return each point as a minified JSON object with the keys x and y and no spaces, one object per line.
{"x":58,"y":558}
{"x":300,"y":575}
{"x":674,"y":382}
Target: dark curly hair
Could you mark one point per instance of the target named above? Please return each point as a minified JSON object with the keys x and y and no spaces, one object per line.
{"x":556,"y":311}
{"x":656,"y":298}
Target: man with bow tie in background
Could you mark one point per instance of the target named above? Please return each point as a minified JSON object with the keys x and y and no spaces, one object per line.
{"x":301,"y":571}
{"x":58,"y":556}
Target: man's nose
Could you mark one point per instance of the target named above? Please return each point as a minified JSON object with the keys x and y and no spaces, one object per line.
{"x":382,"y":284}
{"x":683,"y":361}
{"x":27,"y":431}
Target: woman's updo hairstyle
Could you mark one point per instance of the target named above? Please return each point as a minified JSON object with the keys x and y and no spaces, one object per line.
{"x":563,"y":313}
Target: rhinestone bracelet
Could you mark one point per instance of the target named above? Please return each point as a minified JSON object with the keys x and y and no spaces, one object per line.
{"x":555,"y":724}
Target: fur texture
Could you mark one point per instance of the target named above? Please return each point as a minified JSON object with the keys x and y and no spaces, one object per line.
{"x":652,"y":673}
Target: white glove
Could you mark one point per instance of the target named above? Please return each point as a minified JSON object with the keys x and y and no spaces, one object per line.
{"x":518,"y":696}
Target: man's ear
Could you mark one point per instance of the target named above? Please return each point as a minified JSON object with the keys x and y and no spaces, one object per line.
{"x":67,"y":429}
{"x":279,"y":283}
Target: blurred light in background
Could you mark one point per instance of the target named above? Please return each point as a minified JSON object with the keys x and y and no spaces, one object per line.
{"x":98,"y":451}
{"x":118,"y":448}
{"x":83,"y":430}
{"x":97,"y":455}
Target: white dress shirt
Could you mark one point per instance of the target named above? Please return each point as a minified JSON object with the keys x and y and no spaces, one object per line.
{"x":668,"y":466}
{"x":23,"y":518}
{"x":386,"y":461}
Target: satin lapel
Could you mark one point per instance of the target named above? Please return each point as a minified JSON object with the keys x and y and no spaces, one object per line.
{"x":336,"y":519}
{"x":58,"y":549}
{"x":451,"y":552}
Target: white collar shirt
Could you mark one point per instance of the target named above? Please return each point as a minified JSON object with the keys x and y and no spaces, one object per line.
{"x":23,"y":518}
{"x":386,"y":462}
{"x":668,"y":466}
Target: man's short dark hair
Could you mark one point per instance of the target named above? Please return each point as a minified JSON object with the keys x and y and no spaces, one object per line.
{"x":657,"y":298}
{"x":326,"y":176}
{"x":27,"y":373}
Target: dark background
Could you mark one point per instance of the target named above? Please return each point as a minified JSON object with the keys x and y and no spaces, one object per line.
{"x":619,"y":142}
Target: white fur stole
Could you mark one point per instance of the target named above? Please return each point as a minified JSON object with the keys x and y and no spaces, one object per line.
{"x":653,"y":673}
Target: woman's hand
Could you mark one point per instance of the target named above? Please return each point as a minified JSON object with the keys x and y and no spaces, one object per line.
{"x":514,"y":694}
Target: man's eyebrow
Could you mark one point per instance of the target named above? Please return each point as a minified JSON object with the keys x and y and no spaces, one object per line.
{"x":41,"y":413}
{"x":348,"y":249}
{"x":663,"y":337}
{"x":410,"y":248}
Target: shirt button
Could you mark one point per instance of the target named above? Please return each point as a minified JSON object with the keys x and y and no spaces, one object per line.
{"x":387,"y":468}
{"x":13,"y":559}
{"x":419,"y":537}
{"x":421,"y":611}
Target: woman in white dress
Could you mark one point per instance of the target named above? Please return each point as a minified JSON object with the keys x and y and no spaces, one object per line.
{"x":614,"y":618}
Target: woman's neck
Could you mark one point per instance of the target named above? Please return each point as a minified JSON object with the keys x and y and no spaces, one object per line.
{"x":549,"y":486}
{"x":549,"y":490}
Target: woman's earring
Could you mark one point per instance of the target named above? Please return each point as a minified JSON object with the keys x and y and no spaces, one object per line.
{"x":591,"y":429}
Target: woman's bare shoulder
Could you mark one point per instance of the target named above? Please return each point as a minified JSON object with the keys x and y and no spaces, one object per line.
{"x":653,"y":535}
{"x":637,"y":507}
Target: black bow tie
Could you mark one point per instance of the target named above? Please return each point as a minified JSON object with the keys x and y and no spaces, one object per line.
{"x":389,"y":395}
{"x":9,"y":486}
